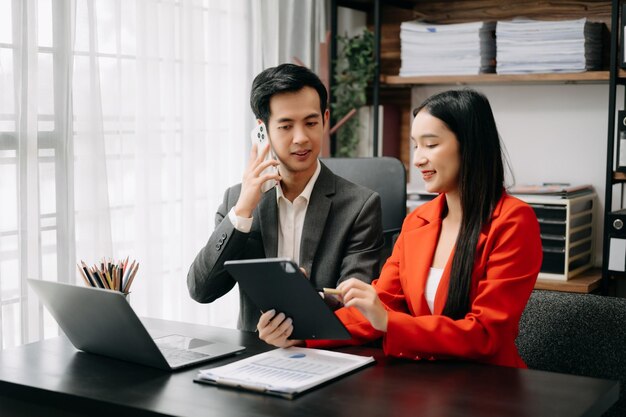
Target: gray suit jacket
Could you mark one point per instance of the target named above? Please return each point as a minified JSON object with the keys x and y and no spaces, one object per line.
{"x":342,"y":238}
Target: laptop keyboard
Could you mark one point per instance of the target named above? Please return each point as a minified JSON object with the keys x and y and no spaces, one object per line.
{"x":176,"y":357}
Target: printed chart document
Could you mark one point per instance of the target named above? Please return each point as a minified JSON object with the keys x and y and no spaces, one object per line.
{"x":284,"y":372}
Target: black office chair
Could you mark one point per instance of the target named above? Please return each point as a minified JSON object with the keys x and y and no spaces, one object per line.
{"x":580,"y":334}
{"x":386,"y":176}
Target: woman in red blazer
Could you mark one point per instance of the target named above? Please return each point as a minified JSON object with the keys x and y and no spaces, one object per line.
{"x":464,"y":264}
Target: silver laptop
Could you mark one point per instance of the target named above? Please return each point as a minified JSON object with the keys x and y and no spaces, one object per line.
{"x":101,"y":321}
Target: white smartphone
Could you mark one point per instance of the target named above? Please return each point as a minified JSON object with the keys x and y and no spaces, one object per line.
{"x":260,"y":136}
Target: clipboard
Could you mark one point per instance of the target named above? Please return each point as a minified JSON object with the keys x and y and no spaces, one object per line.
{"x":284,"y":373}
{"x":278,"y":283}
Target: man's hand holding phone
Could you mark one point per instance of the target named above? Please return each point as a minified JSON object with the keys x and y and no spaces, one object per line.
{"x":260,"y":174}
{"x":261,"y":138}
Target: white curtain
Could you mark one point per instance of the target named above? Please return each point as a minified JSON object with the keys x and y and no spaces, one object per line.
{"x":121,"y":124}
{"x":288,"y":29}
{"x":36,"y":221}
{"x":161,"y":117}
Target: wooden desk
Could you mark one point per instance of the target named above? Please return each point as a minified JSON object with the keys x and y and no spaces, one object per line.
{"x":52,"y":378}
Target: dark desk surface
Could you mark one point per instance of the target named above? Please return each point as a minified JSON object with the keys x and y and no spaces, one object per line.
{"x":52,"y":378}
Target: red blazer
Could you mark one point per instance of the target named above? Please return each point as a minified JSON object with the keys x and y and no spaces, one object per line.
{"x":508,"y":259}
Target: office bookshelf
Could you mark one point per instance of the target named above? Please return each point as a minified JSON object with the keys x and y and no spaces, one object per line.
{"x":385,"y":18}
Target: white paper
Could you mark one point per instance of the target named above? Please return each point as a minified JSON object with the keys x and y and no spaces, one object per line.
{"x":452,"y":49}
{"x":289,"y":371}
{"x":530,"y":46}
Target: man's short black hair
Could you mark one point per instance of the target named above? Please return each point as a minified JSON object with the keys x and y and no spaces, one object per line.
{"x":283,"y":78}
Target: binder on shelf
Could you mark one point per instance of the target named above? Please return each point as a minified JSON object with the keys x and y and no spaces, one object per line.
{"x":621,"y":141}
{"x":622,"y":47}
{"x":616,"y":233}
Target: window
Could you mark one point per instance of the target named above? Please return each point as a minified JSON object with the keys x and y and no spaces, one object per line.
{"x":109,"y":141}
{"x":33,"y":179}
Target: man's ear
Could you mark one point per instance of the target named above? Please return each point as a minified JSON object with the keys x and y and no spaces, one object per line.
{"x":326,"y":116}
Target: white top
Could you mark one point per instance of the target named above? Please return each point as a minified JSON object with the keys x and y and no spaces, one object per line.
{"x":432,"y":283}
{"x":290,"y":219}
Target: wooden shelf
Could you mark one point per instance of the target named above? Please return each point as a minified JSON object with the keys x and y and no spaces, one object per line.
{"x":570,"y":78}
{"x":619,"y":176}
{"x":584,"y":283}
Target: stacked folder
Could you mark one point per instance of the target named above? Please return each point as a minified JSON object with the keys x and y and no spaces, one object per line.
{"x":454,"y":49}
{"x":531,"y":46}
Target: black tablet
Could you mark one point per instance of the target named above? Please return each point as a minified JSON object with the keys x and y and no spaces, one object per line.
{"x":278,"y":283}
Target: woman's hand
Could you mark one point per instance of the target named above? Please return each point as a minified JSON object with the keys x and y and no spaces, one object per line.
{"x":356,"y":293}
{"x":274,"y":329}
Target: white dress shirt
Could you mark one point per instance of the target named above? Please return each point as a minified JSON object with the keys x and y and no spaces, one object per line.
{"x":290,"y":219}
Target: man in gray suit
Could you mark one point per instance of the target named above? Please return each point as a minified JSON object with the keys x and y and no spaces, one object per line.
{"x":329,"y":226}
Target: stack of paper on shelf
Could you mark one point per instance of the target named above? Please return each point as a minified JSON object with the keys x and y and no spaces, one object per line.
{"x":561,"y":190}
{"x":455,"y":49}
{"x":531,"y":46}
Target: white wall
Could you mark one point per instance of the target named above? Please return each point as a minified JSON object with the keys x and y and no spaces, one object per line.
{"x":552,"y":133}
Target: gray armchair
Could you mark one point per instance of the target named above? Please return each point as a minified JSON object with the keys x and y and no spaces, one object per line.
{"x":581,"y":334}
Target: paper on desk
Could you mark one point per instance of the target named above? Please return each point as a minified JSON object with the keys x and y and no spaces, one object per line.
{"x":285,"y":371}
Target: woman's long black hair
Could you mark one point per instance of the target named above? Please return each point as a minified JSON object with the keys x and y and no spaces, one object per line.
{"x":468,"y":115}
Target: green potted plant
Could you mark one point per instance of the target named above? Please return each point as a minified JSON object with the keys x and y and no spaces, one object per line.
{"x":354,"y":70}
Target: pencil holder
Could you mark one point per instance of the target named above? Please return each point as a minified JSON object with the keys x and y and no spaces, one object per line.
{"x":110,"y":275}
